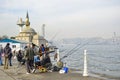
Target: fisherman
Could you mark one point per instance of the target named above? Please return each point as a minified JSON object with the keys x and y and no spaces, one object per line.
{"x":42,"y":51}
{"x":29,"y":56}
{"x":20,"y":59}
{"x":37,"y":62}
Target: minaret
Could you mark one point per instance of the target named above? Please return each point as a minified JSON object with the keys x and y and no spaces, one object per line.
{"x":27,"y":23}
{"x":27,"y":16}
{"x":114,"y":37}
{"x":20,"y":23}
{"x":43,"y":30}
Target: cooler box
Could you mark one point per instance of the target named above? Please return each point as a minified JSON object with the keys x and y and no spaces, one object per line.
{"x":65,"y":69}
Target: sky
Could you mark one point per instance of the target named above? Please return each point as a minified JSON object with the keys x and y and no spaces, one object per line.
{"x":62,"y":18}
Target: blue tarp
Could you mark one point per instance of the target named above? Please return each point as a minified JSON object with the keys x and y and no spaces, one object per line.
{"x":9,"y":40}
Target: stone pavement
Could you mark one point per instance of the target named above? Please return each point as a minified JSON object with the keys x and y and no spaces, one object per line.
{"x":5,"y":76}
{"x":14,"y":73}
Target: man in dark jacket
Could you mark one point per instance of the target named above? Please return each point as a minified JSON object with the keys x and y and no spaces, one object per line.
{"x":8,"y":55}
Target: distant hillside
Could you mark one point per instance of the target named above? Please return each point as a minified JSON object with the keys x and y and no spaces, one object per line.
{"x":90,"y":41}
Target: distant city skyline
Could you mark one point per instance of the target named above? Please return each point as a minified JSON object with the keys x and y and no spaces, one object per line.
{"x":63,"y":18}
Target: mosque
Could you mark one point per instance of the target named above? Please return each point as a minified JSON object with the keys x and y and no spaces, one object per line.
{"x":28,"y":34}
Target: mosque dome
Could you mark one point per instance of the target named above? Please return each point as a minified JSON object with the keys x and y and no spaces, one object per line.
{"x":29,"y":30}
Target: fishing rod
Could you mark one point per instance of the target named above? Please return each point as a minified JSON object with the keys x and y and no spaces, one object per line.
{"x":79,"y":47}
{"x":53,"y":37}
{"x":71,"y":51}
{"x":68,"y":52}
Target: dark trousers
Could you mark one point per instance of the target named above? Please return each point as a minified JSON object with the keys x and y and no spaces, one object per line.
{"x":29,"y":65}
{"x":10,"y":61}
{"x":21,"y":62}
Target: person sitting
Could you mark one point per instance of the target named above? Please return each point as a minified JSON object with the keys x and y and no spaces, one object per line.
{"x":20,"y":58}
{"x":46,"y":62}
{"x":36,"y":62}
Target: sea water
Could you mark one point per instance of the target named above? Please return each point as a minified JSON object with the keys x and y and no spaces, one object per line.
{"x":103,"y":60}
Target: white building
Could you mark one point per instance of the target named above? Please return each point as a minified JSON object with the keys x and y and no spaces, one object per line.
{"x":14,"y":44}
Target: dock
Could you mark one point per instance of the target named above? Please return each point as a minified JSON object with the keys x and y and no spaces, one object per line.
{"x":14,"y":73}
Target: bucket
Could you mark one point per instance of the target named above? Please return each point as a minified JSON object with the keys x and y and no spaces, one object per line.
{"x":65,"y":69}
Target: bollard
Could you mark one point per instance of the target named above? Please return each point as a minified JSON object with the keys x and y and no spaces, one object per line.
{"x":58,"y":55}
{"x":85,"y":72}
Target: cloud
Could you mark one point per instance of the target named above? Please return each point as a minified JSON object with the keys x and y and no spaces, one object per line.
{"x":74,"y":18}
{"x":86,"y":23}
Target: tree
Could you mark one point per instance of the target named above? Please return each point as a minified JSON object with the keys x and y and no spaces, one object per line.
{"x":12,"y":37}
{"x":3,"y":37}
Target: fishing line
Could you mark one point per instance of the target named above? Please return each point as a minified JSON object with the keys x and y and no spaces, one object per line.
{"x":71,"y":51}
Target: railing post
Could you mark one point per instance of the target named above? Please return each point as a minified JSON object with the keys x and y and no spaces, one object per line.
{"x":85,"y":72}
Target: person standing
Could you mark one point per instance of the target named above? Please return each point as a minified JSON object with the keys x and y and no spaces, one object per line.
{"x":42,"y":51}
{"x":7,"y":54}
{"x":29,"y":56}
{"x":1,"y":52}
